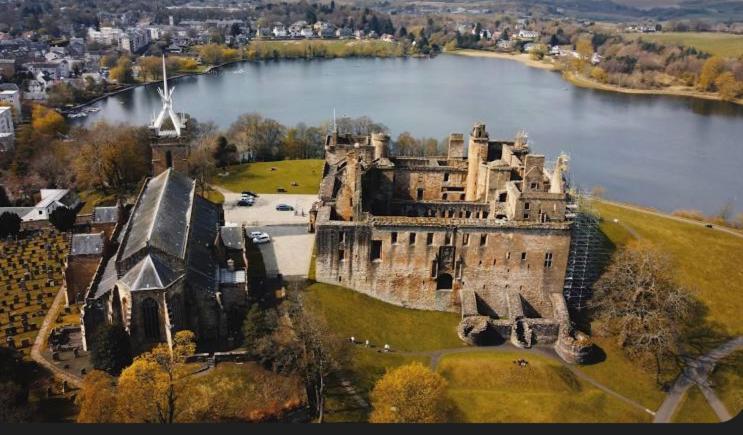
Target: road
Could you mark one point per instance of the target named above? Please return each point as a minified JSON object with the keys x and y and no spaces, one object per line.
{"x":290,"y":250}
{"x":696,"y":372}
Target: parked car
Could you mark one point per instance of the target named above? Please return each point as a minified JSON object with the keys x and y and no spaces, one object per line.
{"x":248,"y":194}
{"x":244,"y":203}
{"x":263,"y":238}
{"x":254,"y":234}
{"x":284,"y":207}
{"x":708,"y":225}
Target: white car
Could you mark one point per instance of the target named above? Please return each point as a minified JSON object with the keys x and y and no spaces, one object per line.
{"x":259,"y":237}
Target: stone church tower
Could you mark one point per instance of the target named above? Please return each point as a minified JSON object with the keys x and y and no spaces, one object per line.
{"x":169,"y":134}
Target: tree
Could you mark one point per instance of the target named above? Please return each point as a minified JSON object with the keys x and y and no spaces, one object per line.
{"x":598,"y":74}
{"x":411,"y":393}
{"x":10,"y":224}
{"x":46,"y":123}
{"x":15,"y":379}
{"x":712,"y":68}
{"x":122,"y":72}
{"x":110,"y":349}
{"x":637,"y":301}
{"x":262,"y":137}
{"x":112,"y":157}
{"x":62,"y":218}
{"x":224,"y":152}
{"x":728,"y":87}
{"x":152,"y":389}
{"x":96,"y":398}
{"x":322,"y":353}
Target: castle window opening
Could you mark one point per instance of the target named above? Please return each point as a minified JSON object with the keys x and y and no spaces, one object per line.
{"x":548,"y":260}
{"x":341,"y":255}
{"x":502,"y":197}
{"x":429,"y":239}
{"x":444,"y":282}
{"x":419,"y":195}
{"x":459,"y":268}
{"x":468,"y":214}
{"x":444,"y":196}
{"x":169,"y":159}
{"x":376,"y":250}
{"x":434,"y":268}
{"x":508,"y":255}
{"x":412,"y":238}
{"x":446,"y":176}
{"x":393,"y":237}
{"x":483,"y":239}
{"x":534,"y":186}
{"x":466,"y":239}
{"x":484,"y":215}
{"x":341,"y":237}
{"x":523,"y":256}
{"x":526,"y":206}
{"x":447,"y":239}
{"x":526,"y":215}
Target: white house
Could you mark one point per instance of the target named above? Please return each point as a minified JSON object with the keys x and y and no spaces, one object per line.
{"x":307,"y":32}
{"x":11,"y":95}
{"x":527,"y":35}
{"x":51,"y":199}
{"x":280,"y":32}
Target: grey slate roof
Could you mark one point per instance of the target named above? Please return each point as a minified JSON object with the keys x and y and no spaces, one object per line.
{"x":201,"y":269}
{"x":105,"y":214}
{"x":160,"y":217}
{"x":232,"y":237}
{"x":149,"y":273}
{"x":87,"y":244}
{"x":108,"y":279}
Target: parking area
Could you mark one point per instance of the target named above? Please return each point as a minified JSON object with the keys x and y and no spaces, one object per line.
{"x":290,"y":249}
{"x":264,"y":212}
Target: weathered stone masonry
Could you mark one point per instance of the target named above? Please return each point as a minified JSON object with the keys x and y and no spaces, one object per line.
{"x":485,"y":235}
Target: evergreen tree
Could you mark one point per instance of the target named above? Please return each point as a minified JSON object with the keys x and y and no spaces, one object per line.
{"x":62,"y":218}
{"x":10,"y":224}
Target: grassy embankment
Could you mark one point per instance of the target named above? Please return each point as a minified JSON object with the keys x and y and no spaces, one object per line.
{"x":706,"y":262}
{"x":720,"y":44}
{"x":259,"y":178}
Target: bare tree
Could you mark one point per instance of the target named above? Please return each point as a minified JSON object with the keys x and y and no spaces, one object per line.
{"x":637,"y":301}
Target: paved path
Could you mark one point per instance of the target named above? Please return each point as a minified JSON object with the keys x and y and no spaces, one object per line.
{"x":696,"y":372}
{"x":715,"y":403}
{"x":41,"y":337}
{"x":675,"y":218}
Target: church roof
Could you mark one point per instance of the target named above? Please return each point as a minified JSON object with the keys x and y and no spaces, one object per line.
{"x":87,"y":244}
{"x":232,"y":237}
{"x":149,"y":273}
{"x":105,"y":214}
{"x":161,"y":216}
{"x":201,"y":271}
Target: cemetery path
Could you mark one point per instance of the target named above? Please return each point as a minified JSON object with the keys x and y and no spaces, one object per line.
{"x":43,"y":334}
{"x":696,"y":372}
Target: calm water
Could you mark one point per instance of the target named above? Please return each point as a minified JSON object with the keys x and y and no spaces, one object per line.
{"x":664,"y":152}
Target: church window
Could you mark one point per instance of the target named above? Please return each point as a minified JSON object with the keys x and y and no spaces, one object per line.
{"x":151,"y":318}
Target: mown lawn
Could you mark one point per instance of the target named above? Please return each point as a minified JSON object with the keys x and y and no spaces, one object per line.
{"x":351,"y":313}
{"x":93,"y":199}
{"x":259,"y":178}
{"x":695,"y":409}
{"x":214,"y":196}
{"x":727,"y":382}
{"x":721,"y":44}
{"x":707,"y":261}
{"x":623,"y":375}
{"x":488,"y":387}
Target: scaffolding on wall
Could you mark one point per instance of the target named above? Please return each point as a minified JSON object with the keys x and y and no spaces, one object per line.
{"x":588,"y":252}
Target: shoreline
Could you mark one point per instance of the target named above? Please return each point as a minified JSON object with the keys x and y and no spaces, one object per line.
{"x":583,"y":82}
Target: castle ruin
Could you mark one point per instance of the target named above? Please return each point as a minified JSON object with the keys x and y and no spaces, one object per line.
{"x":481,"y":231}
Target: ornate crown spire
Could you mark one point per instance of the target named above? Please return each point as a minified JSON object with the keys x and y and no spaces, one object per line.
{"x":167,"y":98}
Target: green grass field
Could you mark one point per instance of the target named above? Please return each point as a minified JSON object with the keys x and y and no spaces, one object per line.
{"x":707,"y":261}
{"x":488,"y":387}
{"x":351,"y":313}
{"x":727,"y":382}
{"x":721,"y":44}
{"x":259,"y":178}
{"x":695,"y":409}
{"x":93,"y":199}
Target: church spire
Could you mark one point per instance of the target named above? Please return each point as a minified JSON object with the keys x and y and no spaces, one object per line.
{"x":167,"y":98}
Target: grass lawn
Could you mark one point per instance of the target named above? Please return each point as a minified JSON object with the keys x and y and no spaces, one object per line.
{"x":94,"y":198}
{"x":727,"y":382}
{"x":259,"y":178}
{"x":214,"y":196}
{"x":695,"y":409}
{"x":721,"y":44}
{"x":350,"y":313}
{"x":489,"y":387}
{"x":708,"y":261}
{"x":624,"y":376}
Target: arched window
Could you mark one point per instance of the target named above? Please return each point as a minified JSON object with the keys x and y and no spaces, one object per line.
{"x":168,"y":159}
{"x":151,"y":319}
{"x":444,"y":282}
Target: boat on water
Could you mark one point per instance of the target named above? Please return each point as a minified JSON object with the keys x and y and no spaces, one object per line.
{"x":240,"y":71}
